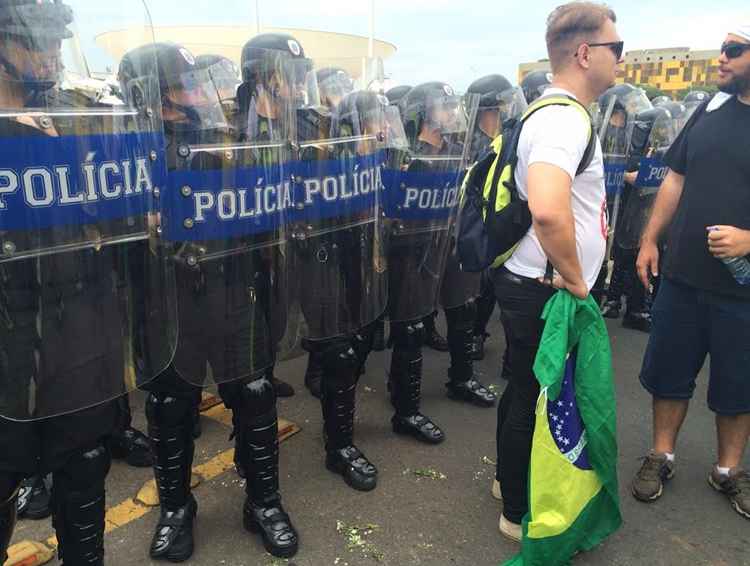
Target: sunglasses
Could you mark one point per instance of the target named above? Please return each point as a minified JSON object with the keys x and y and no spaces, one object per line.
{"x":617,"y":47}
{"x":733,"y":50}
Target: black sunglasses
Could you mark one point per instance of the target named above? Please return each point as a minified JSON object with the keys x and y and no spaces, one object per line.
{"x":733,"y":49}
{"x":617,"y":47}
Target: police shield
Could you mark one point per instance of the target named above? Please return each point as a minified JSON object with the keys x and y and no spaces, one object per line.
{"x":224,"y":208}
{"x":421,"y":196}
{"x":337,"y":231}
{"x":654,"y":132}
{"x":85,"y":308}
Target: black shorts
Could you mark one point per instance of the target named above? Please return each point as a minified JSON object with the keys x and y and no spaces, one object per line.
{"x":688,"y":325}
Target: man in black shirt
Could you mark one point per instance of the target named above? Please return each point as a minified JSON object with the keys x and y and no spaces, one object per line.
{"x":701,"y":309}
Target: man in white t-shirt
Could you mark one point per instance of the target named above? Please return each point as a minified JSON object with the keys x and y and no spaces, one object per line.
{"x":569,"y":225}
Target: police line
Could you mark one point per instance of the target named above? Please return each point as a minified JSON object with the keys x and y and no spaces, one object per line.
{"x":203,"y":205}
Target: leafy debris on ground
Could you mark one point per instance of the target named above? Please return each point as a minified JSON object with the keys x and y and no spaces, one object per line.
{"x":357,"y":541}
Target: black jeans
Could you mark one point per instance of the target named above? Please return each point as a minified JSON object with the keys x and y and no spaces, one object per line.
{"x":521,"y":303}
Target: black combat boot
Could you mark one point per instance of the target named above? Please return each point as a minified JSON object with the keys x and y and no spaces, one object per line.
{"x":132,"y":446}
{"x":34,"y":499}
{"x":170,"y":422}
{"x":338,"y":403}
{"x":462,"y":384}
{"x":405,"y":383}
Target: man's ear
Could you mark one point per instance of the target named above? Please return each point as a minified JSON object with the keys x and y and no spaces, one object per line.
{"x":583,"y":56}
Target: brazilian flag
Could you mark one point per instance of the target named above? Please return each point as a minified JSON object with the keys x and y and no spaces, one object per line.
{"x":573,"y":499}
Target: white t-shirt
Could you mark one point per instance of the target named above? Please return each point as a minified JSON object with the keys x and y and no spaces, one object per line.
{"x":558,"y":135}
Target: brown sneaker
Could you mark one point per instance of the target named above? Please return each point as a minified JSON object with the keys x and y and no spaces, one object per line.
{"x":649,"y":481}
{"x":736,"y":486}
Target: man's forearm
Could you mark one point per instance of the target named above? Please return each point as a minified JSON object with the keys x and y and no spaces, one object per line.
{"x":558,"y":239}
{"x":667,"y":200}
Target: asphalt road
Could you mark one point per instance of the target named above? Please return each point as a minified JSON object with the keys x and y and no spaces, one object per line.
{"x":433,"y":504}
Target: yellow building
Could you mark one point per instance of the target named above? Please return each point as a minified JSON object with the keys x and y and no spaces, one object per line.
{"x":671,"y":70}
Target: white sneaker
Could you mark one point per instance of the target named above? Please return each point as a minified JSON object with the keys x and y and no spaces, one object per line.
{"x":511,"y":530}
{"x":496,"y":491}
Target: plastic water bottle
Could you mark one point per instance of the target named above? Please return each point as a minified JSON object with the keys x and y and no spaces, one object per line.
{"x":739,"y":267}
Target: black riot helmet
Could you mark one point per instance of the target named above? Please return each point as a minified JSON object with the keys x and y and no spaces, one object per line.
{"x":535,"y":83}
{"x":435,"y":105}
{"x":677,"y":109}
{"x":37,"y":28}
{"x":270,"y":57}
{"x":659,"y":100}
{"x":222,"y":71}
{"x":696,"y":97}
{"x":628,"y":99}
{"x":183,"y":84}
{"x":395,"y":94}
{"x":489,"y":89}
{"x":333,"y":83}
{"x":643,"y":128}
{"x":369,"y":117}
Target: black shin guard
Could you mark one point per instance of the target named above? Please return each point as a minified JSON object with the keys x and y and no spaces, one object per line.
{"x":170,"y":429}
{"x":405,"y":380}
{"x":78,"y":506}
{"x":259,"y":445}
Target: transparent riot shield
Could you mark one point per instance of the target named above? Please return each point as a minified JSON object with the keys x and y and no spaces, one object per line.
{"x":224,"y":212}
{"x":421,"y":185}
{"x":86,"y":312}
{"x":653,"y":135}
{"x":337,"y":231}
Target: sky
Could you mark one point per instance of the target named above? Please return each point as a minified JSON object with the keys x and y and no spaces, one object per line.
{"x":446,"y":40}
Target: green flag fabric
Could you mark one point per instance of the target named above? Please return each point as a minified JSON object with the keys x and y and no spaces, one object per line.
{"x":573,"y":497}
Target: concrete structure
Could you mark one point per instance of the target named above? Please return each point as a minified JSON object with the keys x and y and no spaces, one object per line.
{"x":671,"y":70}
{"x":325,"y":48}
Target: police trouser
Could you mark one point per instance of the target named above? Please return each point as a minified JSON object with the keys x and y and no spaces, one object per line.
{"x":625,"y":281}
{"x":485,"y":305}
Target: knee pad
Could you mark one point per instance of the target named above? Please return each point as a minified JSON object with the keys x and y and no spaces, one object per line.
{"x":408,"y":335}
{"x":84,"y":471}
{"x":169,"y":410}
{"x":338,"y":356}
{"x":257,"y":398}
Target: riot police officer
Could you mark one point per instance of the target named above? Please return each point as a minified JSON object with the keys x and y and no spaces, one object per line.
{"x":71,"y":334}
{"x":334,"y":83}
{"x":223,"y":282}
{"x":499,"y":105}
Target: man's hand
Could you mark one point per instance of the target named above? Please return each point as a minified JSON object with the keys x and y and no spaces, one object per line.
{"x":631,"y":177}
{"x":647,"y":263}
{"x":578,"y":288}
{"x":728,"y":241}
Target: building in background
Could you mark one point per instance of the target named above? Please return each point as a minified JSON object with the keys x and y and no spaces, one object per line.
{"x":672,"y":70}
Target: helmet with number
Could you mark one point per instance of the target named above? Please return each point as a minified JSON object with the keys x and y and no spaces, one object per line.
{"x":499,"y":101}
{"x":334,"y":84}
{"x":659,"y":100}
{"x":696,"y":97}
{"x":434,"y":105}
{"x":31,"y":33}
{"x":395,"y":94}
{"x":535,"y":84}
{"x":189,"y":98}
{"x":368,"y":116}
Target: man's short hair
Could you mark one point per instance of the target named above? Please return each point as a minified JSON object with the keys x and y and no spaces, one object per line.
{"x":571,"y":24}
